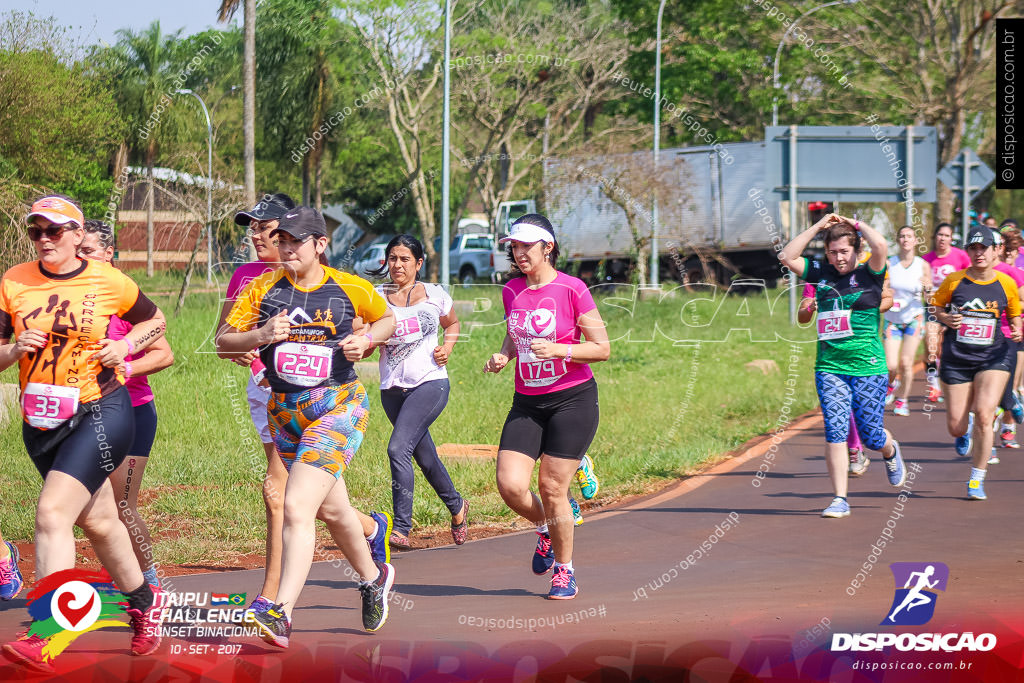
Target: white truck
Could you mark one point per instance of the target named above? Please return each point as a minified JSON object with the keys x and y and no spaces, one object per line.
{"x":716,"y":217}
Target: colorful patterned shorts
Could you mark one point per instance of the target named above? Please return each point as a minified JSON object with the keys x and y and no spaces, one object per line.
{"x":322,"y":427}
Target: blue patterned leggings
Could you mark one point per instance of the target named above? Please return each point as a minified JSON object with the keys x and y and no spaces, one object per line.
{"x":865,"y":395}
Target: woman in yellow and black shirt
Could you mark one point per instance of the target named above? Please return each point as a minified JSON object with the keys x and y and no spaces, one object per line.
{"x":301,"y":319}
{"x":975,"y":366}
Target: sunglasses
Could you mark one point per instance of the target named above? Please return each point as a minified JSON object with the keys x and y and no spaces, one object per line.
{"x":52,"y":232}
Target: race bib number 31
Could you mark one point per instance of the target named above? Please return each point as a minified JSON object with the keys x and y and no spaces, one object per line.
{"x":407,"y":331}
{"x":304,"y":364}
{"x":834,"y":325}
{"x":46,"y":406}
{"x":977,"y":331}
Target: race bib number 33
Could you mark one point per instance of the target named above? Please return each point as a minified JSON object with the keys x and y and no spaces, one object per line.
{"x":304,"y":364}
{"x":46,"y":406}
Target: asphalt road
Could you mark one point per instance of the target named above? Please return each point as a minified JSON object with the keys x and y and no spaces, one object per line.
{"x":727,"y":576}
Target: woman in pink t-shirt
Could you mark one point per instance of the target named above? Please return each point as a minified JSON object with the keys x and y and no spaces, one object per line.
{"x":98,"y":245}
{"x":944,"y":260}
{"x":554,"y":413}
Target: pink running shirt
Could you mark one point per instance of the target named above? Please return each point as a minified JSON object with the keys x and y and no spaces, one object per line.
{"x":956,"y":259}
{"x":240,"y":279}
{"x":138,"y":387}
{"x":550,"y":312}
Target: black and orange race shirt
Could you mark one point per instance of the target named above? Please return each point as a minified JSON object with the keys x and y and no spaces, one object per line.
{"x":320,"y":316}
{"x":74,"y":310}
{"x":979,"y":338}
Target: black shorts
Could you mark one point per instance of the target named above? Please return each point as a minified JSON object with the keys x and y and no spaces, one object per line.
{"x":561,"y":424}
{"x":89,"y":446}
{"x":952,"y":371}
{"x":145,"y":429}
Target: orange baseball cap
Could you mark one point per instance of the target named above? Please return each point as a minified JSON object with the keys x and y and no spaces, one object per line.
{"x":57,"y":210}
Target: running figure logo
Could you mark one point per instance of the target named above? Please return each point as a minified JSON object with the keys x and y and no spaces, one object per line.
{"x":914,"y":603}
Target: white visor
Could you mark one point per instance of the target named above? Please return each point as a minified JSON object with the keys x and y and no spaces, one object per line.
{"x":528,"y":233}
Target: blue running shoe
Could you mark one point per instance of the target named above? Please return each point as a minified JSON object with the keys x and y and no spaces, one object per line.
{"x":379,"y":548}
{"x":963,"y":443}
{"x":838,"y":508}
{"x":258,"y":606}
{"x":11,"y":579}
{"x":976,"y":490}
{"x":894,"y":467}
{"x":1018,"y":409}
{"x":563,"y":585}
{"x":577,"y":514}
{"x":544,"y":555}
{"x":587,"y":478}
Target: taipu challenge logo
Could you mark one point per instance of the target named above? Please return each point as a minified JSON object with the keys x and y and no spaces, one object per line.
{"x":68,"y":603}
{"x":917,"y":584}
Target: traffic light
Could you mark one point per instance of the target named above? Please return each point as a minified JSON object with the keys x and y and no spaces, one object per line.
{"x":819,"y":210}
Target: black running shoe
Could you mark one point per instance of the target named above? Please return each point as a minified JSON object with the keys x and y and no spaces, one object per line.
{"x":375,"y":597}
{"x":274,"y":625}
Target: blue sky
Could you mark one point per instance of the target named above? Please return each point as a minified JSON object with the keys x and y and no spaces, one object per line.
{"x":93,"y":21}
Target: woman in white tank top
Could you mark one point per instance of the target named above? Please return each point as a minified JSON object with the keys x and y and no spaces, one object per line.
{"x":910,"y":279}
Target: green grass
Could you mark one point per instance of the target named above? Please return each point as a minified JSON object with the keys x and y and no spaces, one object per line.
{"x":668,"y":404}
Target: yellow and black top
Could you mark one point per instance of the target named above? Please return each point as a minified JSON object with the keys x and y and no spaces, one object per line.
{"x":979,"y":338}
{"x":320,"y":316}
{"x":74,"y":309}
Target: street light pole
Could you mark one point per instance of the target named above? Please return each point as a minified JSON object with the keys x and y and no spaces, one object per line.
{"x":655,"y":275}
{"x":778,"y":53}
{"x":209,"y":184}
{"x":445,"y":144}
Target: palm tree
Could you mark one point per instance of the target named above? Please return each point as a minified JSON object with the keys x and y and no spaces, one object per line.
{"x":226,"y":11}
{"x":145,"y":95}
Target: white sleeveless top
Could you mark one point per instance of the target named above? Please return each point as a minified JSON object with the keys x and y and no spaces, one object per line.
{"x":907,"y":290}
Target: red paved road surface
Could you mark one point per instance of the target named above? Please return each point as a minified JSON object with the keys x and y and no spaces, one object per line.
{"x":760,"y":601}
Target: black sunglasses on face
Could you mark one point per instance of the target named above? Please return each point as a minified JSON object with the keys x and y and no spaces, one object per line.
{"x":52,"y":232}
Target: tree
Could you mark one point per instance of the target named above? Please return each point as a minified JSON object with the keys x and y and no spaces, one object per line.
{"x":936,"y":60}
{"x":58,"y":123}
{"x":307,"y":63}
{"x":226,"y":11}
{"x":535,"y":80}
{"x":147,"y":89}
{"x":402,"y":37}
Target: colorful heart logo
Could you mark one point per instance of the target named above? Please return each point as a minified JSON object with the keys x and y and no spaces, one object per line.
{"x":75,"y":606}
{"x":74,"y":616}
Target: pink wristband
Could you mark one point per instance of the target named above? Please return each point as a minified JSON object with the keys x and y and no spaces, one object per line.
{"x":131,"y":347}
{"x":369,"y":337}
{"x":127,"y":369}
{"x":568,"y":353}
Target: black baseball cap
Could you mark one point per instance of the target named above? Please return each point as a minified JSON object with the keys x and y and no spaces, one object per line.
{"x":983,"y":235}
{"x":302,"y":222}
{"x":271,"y":207}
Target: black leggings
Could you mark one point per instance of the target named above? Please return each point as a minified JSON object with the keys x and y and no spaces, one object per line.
{"x":89,"y":446}
{"x":1011,"y":357}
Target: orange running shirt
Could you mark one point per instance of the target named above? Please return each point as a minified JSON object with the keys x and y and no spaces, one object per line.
{"x":74,"y":309}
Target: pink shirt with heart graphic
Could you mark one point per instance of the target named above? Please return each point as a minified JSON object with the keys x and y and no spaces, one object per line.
{"x":549,"y":312}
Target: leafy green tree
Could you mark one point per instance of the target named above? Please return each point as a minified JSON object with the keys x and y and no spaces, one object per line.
{"x":146,"y":97}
